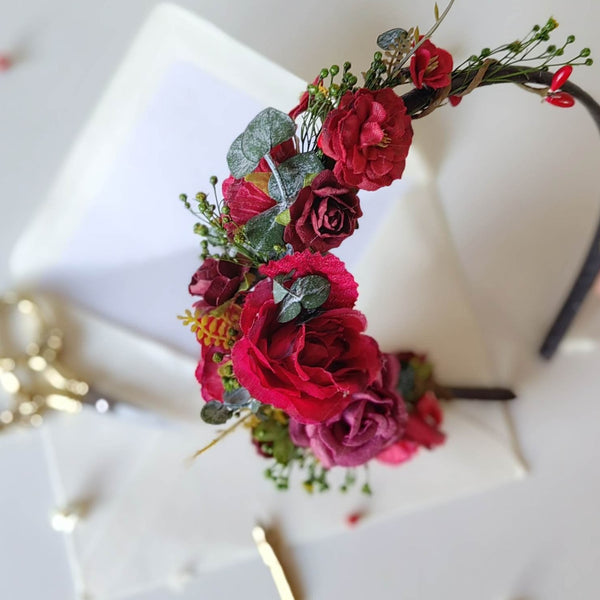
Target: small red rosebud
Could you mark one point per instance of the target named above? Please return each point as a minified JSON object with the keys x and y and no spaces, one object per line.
{"x":5,"y":62}
{"x":560,"y":77}
{"x":561,"y":99}
{"x":455,"y":100}
{"x":353,"y":518}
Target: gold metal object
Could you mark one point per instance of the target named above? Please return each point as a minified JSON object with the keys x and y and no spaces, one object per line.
{"x":270,"y":559}
{"x":31,"y":376}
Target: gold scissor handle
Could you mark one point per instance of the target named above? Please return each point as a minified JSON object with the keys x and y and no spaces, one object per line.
{"x":38,"y":360}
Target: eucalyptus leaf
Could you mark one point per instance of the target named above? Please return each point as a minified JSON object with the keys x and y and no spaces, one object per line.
{"x":268,"y":129}
{"x":293,"y":173}
{"x":313,"y":290}
{"x":237,"y":398}
{"x":389,"y":38}
{"x":284,"y":218}
{"x":279,"y":291}
{"x":290,"y":309}
{"x":215,"y":413}
{"x":263,"y":232}
{"x":238,"y":162}
{"x":254,"y":405}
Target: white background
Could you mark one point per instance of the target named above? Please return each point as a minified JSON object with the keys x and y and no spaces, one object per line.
{"x":519,"y":183}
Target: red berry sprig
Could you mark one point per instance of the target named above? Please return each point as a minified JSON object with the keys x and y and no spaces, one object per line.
{"x":555,"y":96}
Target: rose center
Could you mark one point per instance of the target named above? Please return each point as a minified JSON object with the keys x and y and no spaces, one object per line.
{"x":434,"y":63}
{"x":386,"y":140}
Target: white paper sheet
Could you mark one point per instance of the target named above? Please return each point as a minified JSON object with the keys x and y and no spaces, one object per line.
{"x":117,"y":241}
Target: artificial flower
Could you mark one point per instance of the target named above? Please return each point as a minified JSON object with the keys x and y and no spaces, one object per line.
{"x":422,"y":430}
{"x":246,"y":198}
{"x":372,"y":421}
{"x":344,"y":289}
{"x":368,"y":136}
{"x":323,"y":215}
{"x":308,"y":369}
{"x":216,"y":281}
{"x":207,"y":375}
{"x":431,"y":66}
{"x":424,"y":422}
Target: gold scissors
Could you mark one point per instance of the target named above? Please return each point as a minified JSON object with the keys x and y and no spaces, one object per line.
{"x":33,"y":381}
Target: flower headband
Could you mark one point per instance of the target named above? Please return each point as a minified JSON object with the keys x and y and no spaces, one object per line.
{"x":283,"y":350}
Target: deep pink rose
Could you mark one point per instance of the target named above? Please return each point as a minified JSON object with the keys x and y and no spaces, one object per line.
{"x":216,"y":281}
{"x":244,"y":198}
{"x":368,"y":136}
{"x":374,"y":420}
{"x":308,"y":369}
{"x":344,"y":289}
{"x":431,"y":66}
{"x":211,"y":385}
{"x":323,"y":215}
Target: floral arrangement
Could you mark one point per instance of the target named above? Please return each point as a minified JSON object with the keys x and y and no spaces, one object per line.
{"x":283,"y":350}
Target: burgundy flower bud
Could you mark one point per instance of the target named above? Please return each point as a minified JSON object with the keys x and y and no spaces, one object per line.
{"x":217,"y":281}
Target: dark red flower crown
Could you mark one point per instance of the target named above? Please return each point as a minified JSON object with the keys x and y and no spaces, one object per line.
{"x":282,"y":347}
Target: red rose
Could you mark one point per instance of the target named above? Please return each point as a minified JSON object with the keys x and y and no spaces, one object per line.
{"x":207,"y":374}
{"x":323,"y":215}
{"x":308,"y":369}
{"x":431,"y":66}
{"x":216,"y":281}
{"x":248,"y":197}
{"x":373,"y":421}
{"x":368,"y":136}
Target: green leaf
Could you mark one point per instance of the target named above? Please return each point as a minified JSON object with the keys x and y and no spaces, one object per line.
{"x":293,"y":173}
{"x":284,"y":218}
{"x":239,"y":163}
{"x":269,"y":431}
{"x":237,"y":398}
{"x":279,"y":291}
{"x":290,"y":309}
{"x":309,"y":179}
{"x":268,"y":129}
{"x":215,"y":413}
{"x":436,"y":12}
{"x":283,"y":450}
{"x":389,"y":38}
{"x":313,"y":290}
{"x":263,"y":232}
